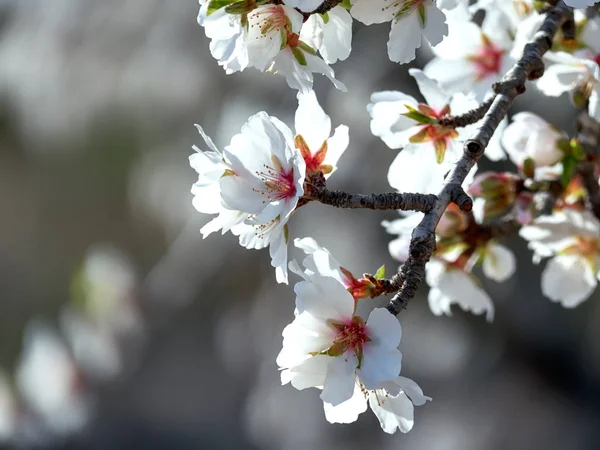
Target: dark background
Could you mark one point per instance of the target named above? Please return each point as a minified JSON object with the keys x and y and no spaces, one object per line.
{"x":97,"y":105}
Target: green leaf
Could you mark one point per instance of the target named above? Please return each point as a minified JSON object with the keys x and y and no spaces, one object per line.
{"x":577,"y":150}
{"x":421,"y":9}
{"x":215,"y":5}
{"x":299,"y":56}
{"x":307,"y":48}
{"x":238,"y":8}
{"x":529,"y":168}
{"x":380,"y":274}
{"x":569,"y":167}
{"x":418,"y":116}
{"x":345,"y":4}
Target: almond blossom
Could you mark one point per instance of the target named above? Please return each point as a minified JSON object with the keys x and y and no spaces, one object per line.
{"x":274,"y":44}
{"x":470,"y":58}
{"x":254,"y":185}
{"x":328,"y":345}
{"x":579,"y":72}
{"x":450,"y":285}
{"x":428,"y":149}
{"x":571,"y":239}
{"x":266,"y":37}
{"x":412,"y":22}
{"x":531,"y":137}
{"x":228,"y":35}
{"x":319,"y":149}
{"x":330,"y":34}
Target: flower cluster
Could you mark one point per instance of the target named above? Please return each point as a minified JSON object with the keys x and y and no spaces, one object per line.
{"x":338,"y":341}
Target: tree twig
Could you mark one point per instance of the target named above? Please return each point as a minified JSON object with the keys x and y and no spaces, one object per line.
{"x":468,"y":118}
{"x":383,"y":202}
{"x":529,"y":66}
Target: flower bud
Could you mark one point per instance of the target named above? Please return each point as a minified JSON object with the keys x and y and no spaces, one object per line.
{"x":498,"y":189}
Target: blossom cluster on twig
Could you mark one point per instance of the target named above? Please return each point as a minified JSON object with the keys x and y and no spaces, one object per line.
{"x":452,"y":218}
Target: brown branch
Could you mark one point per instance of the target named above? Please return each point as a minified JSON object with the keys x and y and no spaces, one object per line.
{"x":529,"y":66}
{"x":315,"y":189}
{"x":468,"y":118}
{"x":383,"y":202}
{"x":588,"y":135}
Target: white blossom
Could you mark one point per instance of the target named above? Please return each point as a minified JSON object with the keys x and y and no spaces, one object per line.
{"x":328,"y":346}
{"x":572,"y":240}
{"x":470,"y":59}
{"x":254,"y":186}
{"x":229,"y":37}
{"x":45,"y":362}
{"x":313,"y":139}
{"x":451,"y":285}
{"x":412,"y":22}
{"x":573,"y":72}
{"x":530,"y":136}
{"x":427,"y":149}
{"x":274,"y":44}
{"x":330,"y":34}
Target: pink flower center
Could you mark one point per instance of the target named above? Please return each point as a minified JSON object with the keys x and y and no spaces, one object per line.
{"x":270,"y":19}
{"x":350,"y":336}
{"x":279,"y":183}
{"x":597,"y":59}
{"x":488,"y":59}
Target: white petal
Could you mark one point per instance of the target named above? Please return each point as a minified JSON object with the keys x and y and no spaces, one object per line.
{"x":434,"y":95}
{"x":348,"y":411}
{"x":394,"y":413}
{"x":568,"y":279}
{"x":339,"y":383}
{"x":413,"y":390}
{"x":311,"y":121}
{"x":384,"y":328}
{"x":499,"y":263}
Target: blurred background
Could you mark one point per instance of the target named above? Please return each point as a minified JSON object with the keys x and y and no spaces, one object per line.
{"x":120,"y":328}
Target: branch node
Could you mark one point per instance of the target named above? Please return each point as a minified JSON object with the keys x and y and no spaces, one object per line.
{"x":460,"y":197}
{"x":474,"y":148}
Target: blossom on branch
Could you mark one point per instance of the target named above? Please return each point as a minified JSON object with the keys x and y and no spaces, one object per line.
{"x":331,"y":347}
{"x":412,"y":22}
{"x":330,"y":34}
{"x":571,"y":239}
{"x":254,"y":185}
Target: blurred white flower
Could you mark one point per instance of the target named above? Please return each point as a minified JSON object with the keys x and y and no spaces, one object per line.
{"x":8,"y":409}
{"x":572,"y":239}
{"x":470,"y":59}
{"x":530,"y":136}
{"x":579,"y":72}
{"x":413,"y":21}
{"x":50,"y":382}
{"x":451,"y":285}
